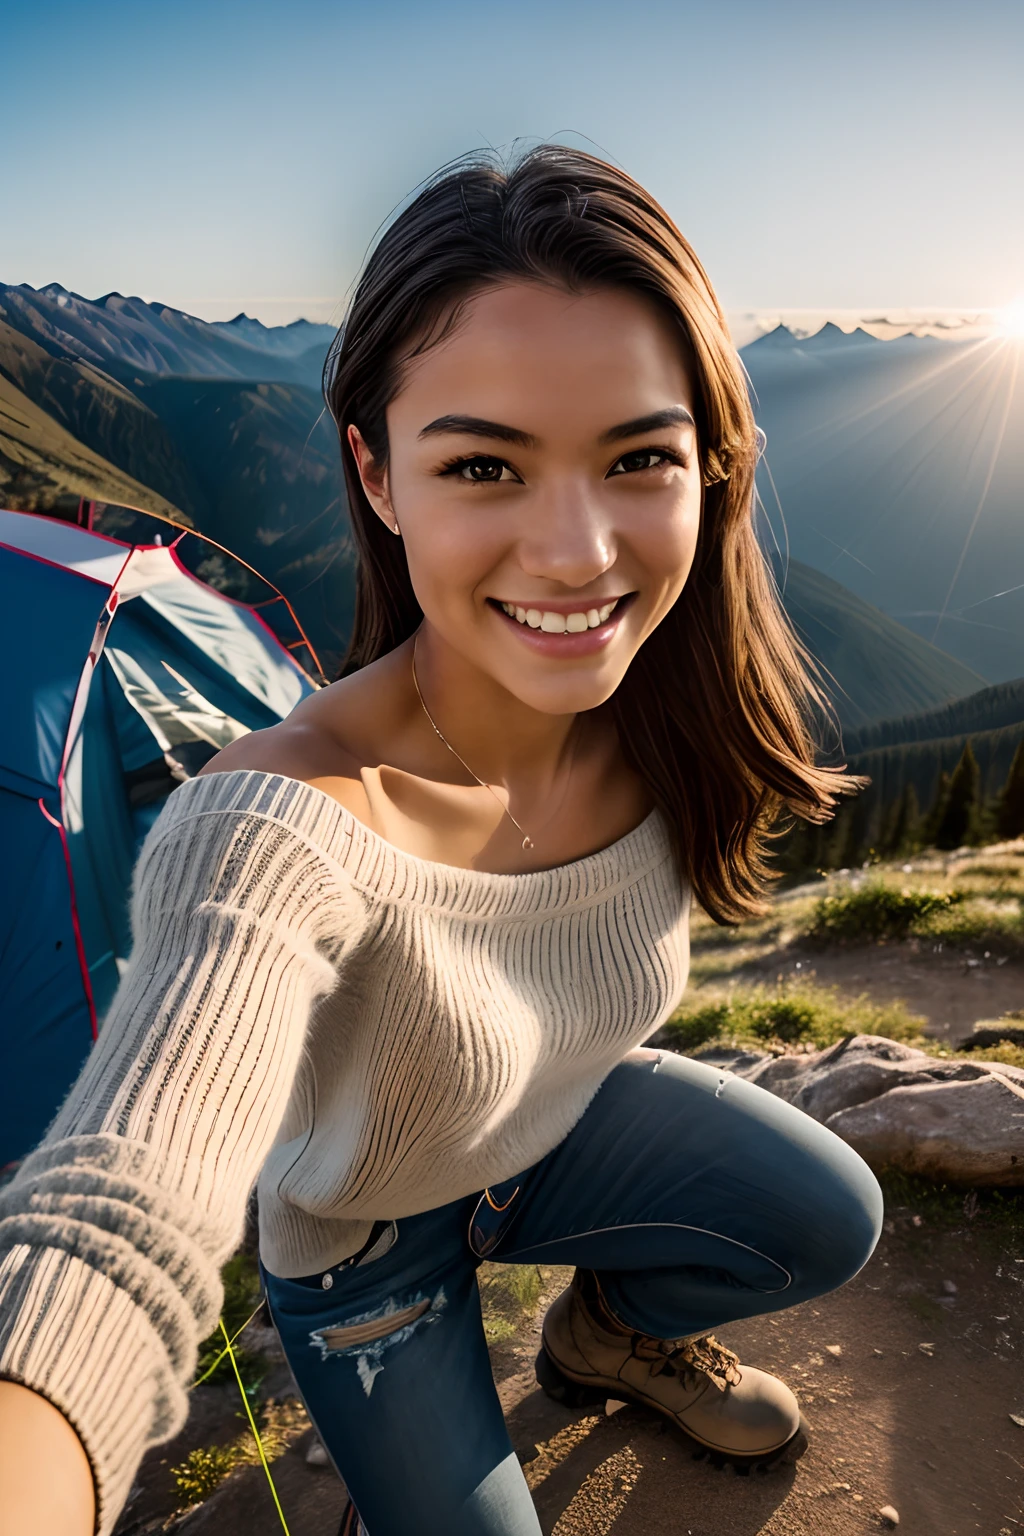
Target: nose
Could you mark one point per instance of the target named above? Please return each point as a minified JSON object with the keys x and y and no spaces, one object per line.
{"x":568,"y":538}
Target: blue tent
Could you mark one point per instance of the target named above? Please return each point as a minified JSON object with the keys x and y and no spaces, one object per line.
{"x":123,"y":674}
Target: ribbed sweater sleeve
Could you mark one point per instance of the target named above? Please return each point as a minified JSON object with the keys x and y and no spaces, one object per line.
{"x":113,"y":1231}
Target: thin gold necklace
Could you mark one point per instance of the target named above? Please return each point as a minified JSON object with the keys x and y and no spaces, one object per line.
{"x":527,"y":839}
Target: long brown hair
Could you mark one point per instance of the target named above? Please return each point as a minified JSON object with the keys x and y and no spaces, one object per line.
{"x":715,"y":711}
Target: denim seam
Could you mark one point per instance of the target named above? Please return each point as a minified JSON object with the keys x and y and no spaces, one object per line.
{"x":680,"y":1226}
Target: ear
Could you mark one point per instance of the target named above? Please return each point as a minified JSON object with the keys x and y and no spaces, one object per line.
{"x":374,"y":478}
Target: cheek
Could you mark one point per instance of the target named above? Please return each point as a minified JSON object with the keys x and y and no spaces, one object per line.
{"x":450,"y":549}
{"x":666,"y":542}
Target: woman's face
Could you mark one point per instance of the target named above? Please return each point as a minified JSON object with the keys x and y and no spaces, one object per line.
{"x":545,"y":477}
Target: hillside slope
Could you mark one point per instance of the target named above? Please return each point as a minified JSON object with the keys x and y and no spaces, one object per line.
{"x":103,"y":414}
{"x":43,"y":467}
{"x":879,"y":667}
{"x":265,"y":463}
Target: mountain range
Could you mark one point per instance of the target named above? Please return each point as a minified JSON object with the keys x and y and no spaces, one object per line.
{"x":220,"y":426}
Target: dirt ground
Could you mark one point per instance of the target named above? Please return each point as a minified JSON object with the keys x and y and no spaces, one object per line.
{"x":952,"y":990}
{"x":927,"y":1431}
{"x":909,"y":1376}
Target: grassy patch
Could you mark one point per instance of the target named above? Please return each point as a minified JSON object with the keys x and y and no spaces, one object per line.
{"x":790,"y":1014}
{"x":995,"y":1215}
{"x":799,"y":1013}
{"x":204,"y":1469}
{"x":509,"y":1294}
{"x":877,"y":912}
{"x":962,"y":902}
{"x":1009,"y":1055}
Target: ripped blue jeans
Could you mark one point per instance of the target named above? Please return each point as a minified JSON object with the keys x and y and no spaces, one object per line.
{"x":698,"y":1197}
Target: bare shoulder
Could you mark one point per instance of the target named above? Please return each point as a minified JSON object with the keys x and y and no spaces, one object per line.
{"x":306,"y":747}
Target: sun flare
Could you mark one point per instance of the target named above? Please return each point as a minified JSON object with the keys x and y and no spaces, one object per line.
{"x":1010,"y":319}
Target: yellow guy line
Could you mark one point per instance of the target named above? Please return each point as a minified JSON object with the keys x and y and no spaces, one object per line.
{"x":238,"y":1331}
{"x":252,"y":1426}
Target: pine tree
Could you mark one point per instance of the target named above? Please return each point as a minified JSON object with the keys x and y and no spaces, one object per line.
{"x":960,"y":818}
{"x":1010,"y":816}
{"x":905,"y":829}
{"x":936,"y":811}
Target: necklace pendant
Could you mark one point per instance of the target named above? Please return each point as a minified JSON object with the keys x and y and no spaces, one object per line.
{"x":527,"y":843}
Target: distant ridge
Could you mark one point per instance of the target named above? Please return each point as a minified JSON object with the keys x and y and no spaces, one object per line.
{"x":830,"y":335}
{"x":987,"y":710}
{"x":125,"y":335}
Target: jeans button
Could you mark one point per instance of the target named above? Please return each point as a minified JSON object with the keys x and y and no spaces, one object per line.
{"x":327,"y":1281}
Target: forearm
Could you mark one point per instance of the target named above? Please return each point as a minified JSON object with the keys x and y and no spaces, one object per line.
{"x":45,"y":1479}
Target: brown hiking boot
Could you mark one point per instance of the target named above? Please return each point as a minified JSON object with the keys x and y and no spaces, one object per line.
{"x":734,"y":1414}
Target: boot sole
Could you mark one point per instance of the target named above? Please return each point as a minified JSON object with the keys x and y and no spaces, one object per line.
{"x":562,"y":1388}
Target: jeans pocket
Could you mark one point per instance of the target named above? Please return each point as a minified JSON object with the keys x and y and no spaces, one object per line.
{"x":493,"y":1214}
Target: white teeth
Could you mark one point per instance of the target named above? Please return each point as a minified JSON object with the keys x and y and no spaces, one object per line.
{"x":561,"y":623}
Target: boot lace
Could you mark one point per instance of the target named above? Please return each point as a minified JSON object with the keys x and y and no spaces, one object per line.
{"x":690,"y":1358}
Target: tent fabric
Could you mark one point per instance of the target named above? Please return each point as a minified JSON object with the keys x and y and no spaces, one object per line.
{"x":123,"y":673}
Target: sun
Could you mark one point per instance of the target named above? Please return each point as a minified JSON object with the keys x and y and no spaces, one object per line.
{"x":1010,"y":319}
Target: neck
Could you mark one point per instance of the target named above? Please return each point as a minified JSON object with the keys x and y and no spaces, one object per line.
{"x":501,"y":739}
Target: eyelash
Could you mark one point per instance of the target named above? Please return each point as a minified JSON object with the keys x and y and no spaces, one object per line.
{"x":452,"y":466}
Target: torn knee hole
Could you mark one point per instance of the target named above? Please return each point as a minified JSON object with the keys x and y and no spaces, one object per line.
{"x":368,"y":1337}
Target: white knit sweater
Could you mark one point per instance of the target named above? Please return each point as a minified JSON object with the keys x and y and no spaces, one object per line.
{"x":370,"y":1034}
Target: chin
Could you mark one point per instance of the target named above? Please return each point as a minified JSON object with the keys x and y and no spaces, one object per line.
{"x":564,"y":696}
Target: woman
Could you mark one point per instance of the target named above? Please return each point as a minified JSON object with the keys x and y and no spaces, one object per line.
{"x":398,"y":955}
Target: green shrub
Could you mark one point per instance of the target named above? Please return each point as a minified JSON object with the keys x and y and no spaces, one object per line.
{"x":877,"y":912}
{"x":790,"y":1015}
{"x":205,"y":1469}
{"x":692,"y":1030}
{"x":789,"y":1019}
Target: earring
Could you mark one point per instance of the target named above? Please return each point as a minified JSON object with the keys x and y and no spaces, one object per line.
{"x":396,"y":530}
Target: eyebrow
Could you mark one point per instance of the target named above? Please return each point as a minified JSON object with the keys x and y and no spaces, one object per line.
{"x":478,"y":426}
{"x":671,"y":416}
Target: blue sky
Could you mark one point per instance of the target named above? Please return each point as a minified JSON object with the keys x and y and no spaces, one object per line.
{"x":223,"y":155}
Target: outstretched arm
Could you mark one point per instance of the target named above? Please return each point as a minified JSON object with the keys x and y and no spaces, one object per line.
{"x":113,"y":1231}
{"x":44,"y":1471}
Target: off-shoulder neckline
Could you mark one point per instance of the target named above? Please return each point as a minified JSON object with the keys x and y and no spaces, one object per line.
{"x":369,"y":855}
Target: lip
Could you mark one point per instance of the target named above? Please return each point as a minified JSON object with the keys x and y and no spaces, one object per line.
{"x":566,"y":645}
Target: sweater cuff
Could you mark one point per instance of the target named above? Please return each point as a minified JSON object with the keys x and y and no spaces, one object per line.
{"x":79,"y":1340}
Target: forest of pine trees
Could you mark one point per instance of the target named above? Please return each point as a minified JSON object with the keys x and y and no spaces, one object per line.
{"x":864,"y":828}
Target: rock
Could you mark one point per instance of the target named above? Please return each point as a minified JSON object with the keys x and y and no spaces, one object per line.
{"x":834,"y":1349}
{"x":740,"y":1062}
{"x":889,"y":1514}
{"x":962,"y":1132}
{"x":317,"y":1456}
{"x":949,"y":1286}
{"x":1018,"y":1418}
{"x":994,"y":1032}
{"x":960,"y":1121}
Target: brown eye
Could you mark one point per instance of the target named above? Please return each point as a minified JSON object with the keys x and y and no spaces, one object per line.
{"x":642,"y":458}
{"x":482,"y":469}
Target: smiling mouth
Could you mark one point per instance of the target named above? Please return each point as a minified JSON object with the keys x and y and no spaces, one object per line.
{"x":561,"y":623}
